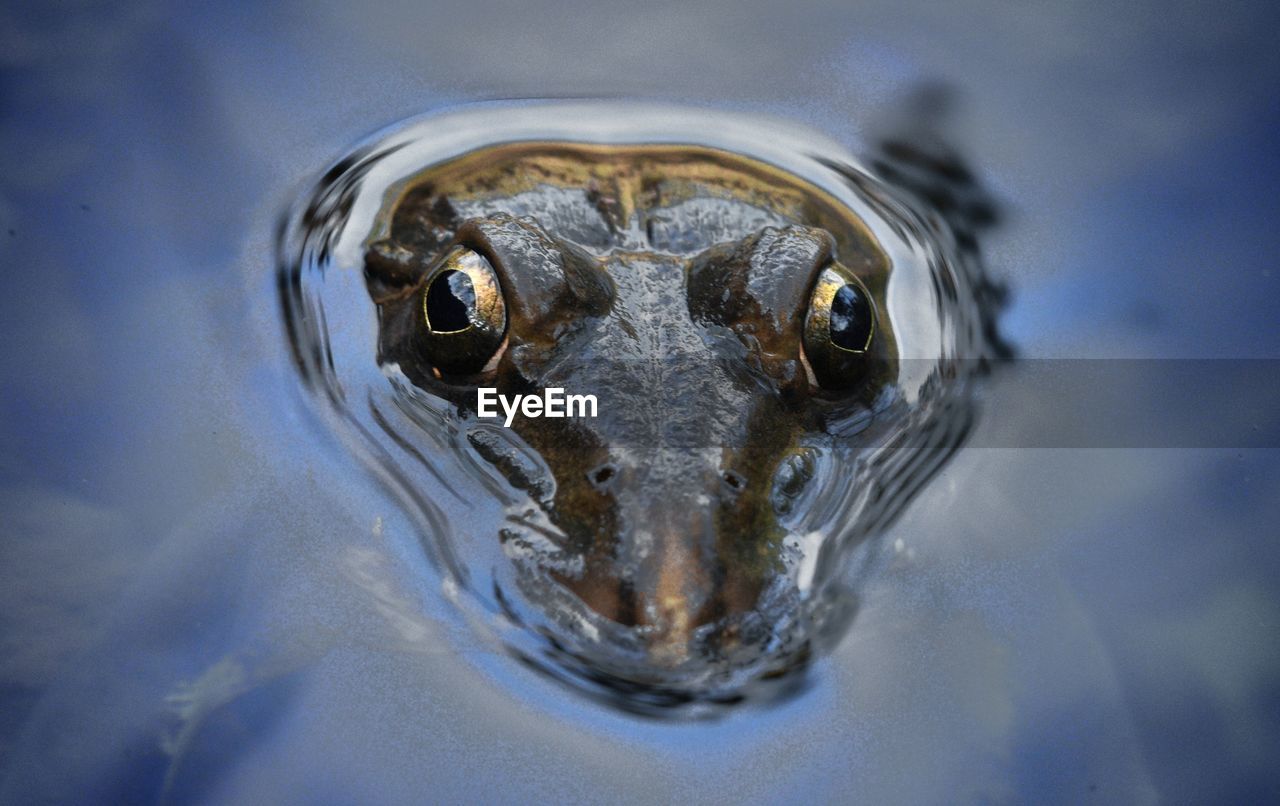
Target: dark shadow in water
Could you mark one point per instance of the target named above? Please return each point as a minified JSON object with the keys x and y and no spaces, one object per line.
{"x":919,"y":159}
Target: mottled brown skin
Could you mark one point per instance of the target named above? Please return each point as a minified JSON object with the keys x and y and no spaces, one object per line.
{"x":673,"y":283}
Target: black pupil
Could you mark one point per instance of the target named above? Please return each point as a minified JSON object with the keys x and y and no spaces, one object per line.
{"x":850,"y":318}
{"x":450,"y":300}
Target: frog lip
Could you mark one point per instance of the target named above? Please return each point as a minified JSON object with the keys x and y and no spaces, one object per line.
{"x":717,"y":660}
{"x":666,"y":614}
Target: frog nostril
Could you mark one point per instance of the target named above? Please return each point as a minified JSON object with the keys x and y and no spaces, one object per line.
{"x":602,"y":475}
{"x":734,"y":481}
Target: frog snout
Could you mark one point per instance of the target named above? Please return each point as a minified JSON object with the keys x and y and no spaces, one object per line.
{"x":672,"y":574}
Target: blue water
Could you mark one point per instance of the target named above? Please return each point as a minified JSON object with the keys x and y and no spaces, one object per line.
{"x":202,"y":597}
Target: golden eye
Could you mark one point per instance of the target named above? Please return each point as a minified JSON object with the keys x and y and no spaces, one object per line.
{"x":839,"y":328}
{"x":463,"y":313}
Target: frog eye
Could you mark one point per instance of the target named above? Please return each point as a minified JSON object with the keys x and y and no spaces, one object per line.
{"x":839,"y":328}
{"x":464,"y":316}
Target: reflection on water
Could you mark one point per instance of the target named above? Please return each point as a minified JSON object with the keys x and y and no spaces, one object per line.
{"x":602,"y":587}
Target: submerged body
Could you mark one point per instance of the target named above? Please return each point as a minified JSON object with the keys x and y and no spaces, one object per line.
{"x":725,"y":315}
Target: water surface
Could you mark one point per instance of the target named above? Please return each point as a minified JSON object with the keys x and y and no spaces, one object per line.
{"x":203,"y":596}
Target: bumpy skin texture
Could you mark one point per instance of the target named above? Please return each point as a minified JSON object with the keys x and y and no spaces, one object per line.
{"x":673,"y":284}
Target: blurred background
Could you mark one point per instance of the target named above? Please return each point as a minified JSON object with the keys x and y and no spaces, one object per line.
{"x":203,"y":598}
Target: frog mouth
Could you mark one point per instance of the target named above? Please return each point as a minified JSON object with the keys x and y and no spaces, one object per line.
{"x":597,"y":627}
{"x":650,"y":667}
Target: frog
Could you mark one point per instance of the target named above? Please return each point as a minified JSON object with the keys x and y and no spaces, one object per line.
{"x":728,"y":318}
